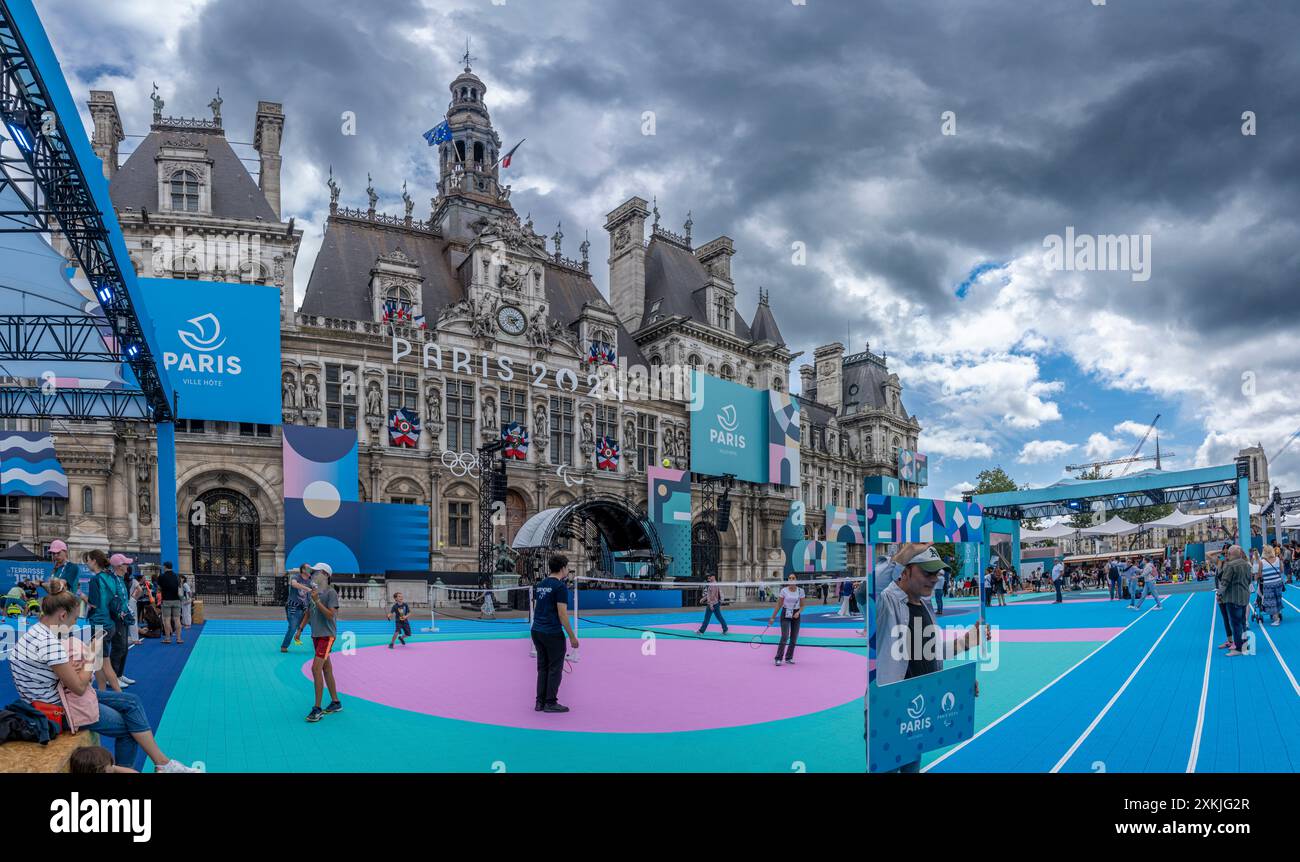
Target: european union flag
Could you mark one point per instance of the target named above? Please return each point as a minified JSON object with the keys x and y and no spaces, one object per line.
{"x":438,"y":134}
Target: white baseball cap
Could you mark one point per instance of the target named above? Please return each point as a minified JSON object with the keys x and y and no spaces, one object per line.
{"x":929,"y":560}
{"x":323,"y":567}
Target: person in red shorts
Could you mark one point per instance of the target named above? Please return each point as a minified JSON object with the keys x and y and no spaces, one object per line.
{"x":323,"y":615}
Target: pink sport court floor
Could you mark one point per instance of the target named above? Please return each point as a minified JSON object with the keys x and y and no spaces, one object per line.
{"x":1086,"y":686}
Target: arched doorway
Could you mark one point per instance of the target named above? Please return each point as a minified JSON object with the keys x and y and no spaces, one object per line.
{"x":227,"y":543}
{"x":516,"y":514}
{"x":706,"y":550}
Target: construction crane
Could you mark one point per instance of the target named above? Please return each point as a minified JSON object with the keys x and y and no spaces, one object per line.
{"x":1132,"y":459}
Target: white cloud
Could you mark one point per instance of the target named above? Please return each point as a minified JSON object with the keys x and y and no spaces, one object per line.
{"x":1038,"y":451}
{"x":1135,"y":429}
{"x":955,"y":492}
{"x":954,"y":443}
{"x":1101,"y":448}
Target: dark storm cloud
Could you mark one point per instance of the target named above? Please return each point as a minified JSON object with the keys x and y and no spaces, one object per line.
{"x":775,"y":114}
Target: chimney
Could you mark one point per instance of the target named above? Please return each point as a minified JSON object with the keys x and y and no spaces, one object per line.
{"x":808,"y":382}
{"x":626,"y":227}
{"x":716,"y":257}
{"x":266,"y":139}
{"x":108,"y":129}
{"x":829,"y":361}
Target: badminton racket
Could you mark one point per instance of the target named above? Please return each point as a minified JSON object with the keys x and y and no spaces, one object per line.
{"x":757,"y":640}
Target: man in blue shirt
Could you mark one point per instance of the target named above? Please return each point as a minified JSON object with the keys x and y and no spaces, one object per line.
{"x":296,"y":607}
{"x":550,"y":624}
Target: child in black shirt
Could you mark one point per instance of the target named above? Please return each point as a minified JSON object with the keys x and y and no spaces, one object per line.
{"x":398,"y":613}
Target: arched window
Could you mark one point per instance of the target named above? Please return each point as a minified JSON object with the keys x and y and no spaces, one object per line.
{"x":776,"y":383}
{"x":726,"y":372}
{"x":473,"y":94}
{"x":185,"y":192}
{"x":88,"y":500}
{"x":694,"y":360}
{"x":478,"y":151}
{"x":399,"y":305}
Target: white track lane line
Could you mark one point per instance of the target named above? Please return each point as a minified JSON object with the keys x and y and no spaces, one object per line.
{"x":1116,"y":696}
{"x":1293,"y":607}
{"x":1263,"y":629}
{"x":1027,"y":700}
{"x":1205,"y":691}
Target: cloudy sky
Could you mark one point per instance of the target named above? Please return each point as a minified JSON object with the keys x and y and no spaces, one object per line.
{"x":826,"y":124}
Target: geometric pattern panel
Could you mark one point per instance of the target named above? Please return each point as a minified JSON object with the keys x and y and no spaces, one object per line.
{"x":670,"y":514}
{"x":910,"y":519}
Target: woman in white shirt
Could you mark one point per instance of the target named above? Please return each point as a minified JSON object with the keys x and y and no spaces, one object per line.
{"x":187,"y":602}
{"x":789,"y":604}
{"x":50,"y":672}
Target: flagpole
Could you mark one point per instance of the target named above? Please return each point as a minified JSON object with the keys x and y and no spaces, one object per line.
{"x":512,"y":150}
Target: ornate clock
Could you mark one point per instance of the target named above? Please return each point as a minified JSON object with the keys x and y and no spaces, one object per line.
{"x":511,"y":320}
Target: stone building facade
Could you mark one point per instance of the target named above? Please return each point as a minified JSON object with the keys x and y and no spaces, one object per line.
{"x":519,"y":329}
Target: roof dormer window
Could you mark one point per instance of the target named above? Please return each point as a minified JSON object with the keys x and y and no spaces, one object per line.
{"x":184,"y":192}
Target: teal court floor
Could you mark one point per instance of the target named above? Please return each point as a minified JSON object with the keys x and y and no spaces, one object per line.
{"x":1086,"y":685}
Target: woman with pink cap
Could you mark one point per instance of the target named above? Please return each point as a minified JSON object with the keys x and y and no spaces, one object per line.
{"x":120,"y":563}
{"x":65,"y":569}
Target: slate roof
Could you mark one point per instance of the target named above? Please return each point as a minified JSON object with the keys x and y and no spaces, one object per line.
{"x":349,"y":251}
{"x":765,"y":328}
{"x":672,"y":277}
{"x":235,"y":194}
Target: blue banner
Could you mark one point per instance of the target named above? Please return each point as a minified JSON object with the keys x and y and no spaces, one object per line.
{"x":220,"y":347}
{"x":908,"y":718}
{"x":728,"y":429}
{"x":628,"y":599}
{"x":12,"y":571}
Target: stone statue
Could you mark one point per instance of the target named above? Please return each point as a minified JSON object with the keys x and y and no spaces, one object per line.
{"x":374,"y":400}
{"x":334,"y":189}
{"x":433,"y":403}
{"x":370,"y":192}
{"x":655,"y":205}
{"x":670,"y":447}
{"x":588,"y":434}
{"x":489,"y":413}
{"x":157,"y":103}
{"x":406,"y":199}
{"x":629,"y":435}
{"x":512,"y":277}
{"x":145,"y":506}
{"x":505,"y":557}
{"x":539,"y":421}
{"x":558,"y":237}
{"x":585,"y":248}
{"x":309,"y":392}
{"x":289,"y":390}
{"x":538,"y":333}
{"x":215,"y":105}
{"x":689,"y":224}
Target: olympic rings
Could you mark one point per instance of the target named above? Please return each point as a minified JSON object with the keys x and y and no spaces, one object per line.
{"x":462,"y":463}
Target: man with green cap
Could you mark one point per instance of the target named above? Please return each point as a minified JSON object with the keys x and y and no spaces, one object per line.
{"x":909,"y":643}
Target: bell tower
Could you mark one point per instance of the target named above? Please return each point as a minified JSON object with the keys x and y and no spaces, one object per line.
{"x":468,"y":169}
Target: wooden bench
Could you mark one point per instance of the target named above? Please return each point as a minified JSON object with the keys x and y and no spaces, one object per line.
{"x":34,"y":757}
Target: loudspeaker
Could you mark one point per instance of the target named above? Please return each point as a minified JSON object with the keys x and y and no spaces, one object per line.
{"x":499,"y":486}
{"x":724,"y":514}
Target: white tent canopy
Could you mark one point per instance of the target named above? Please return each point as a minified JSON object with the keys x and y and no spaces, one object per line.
{"x":1176,"y":520}
{"x":1116,"y":526}
{"x":1056,"y":531}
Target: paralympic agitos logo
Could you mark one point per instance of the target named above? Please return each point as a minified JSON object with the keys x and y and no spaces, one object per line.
{"x":204,"y":339}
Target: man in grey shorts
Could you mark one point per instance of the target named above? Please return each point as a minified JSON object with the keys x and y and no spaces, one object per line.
{"x":170,"y":587}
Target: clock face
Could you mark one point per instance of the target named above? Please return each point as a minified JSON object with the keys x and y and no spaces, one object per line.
{"x":511,"y":320}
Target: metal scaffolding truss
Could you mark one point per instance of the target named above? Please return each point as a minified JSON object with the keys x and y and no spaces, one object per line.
{"x":72,"y":338}
{"x":57,"y":198}
{"x":1115,"y":502}
{"x":76,"y":404}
